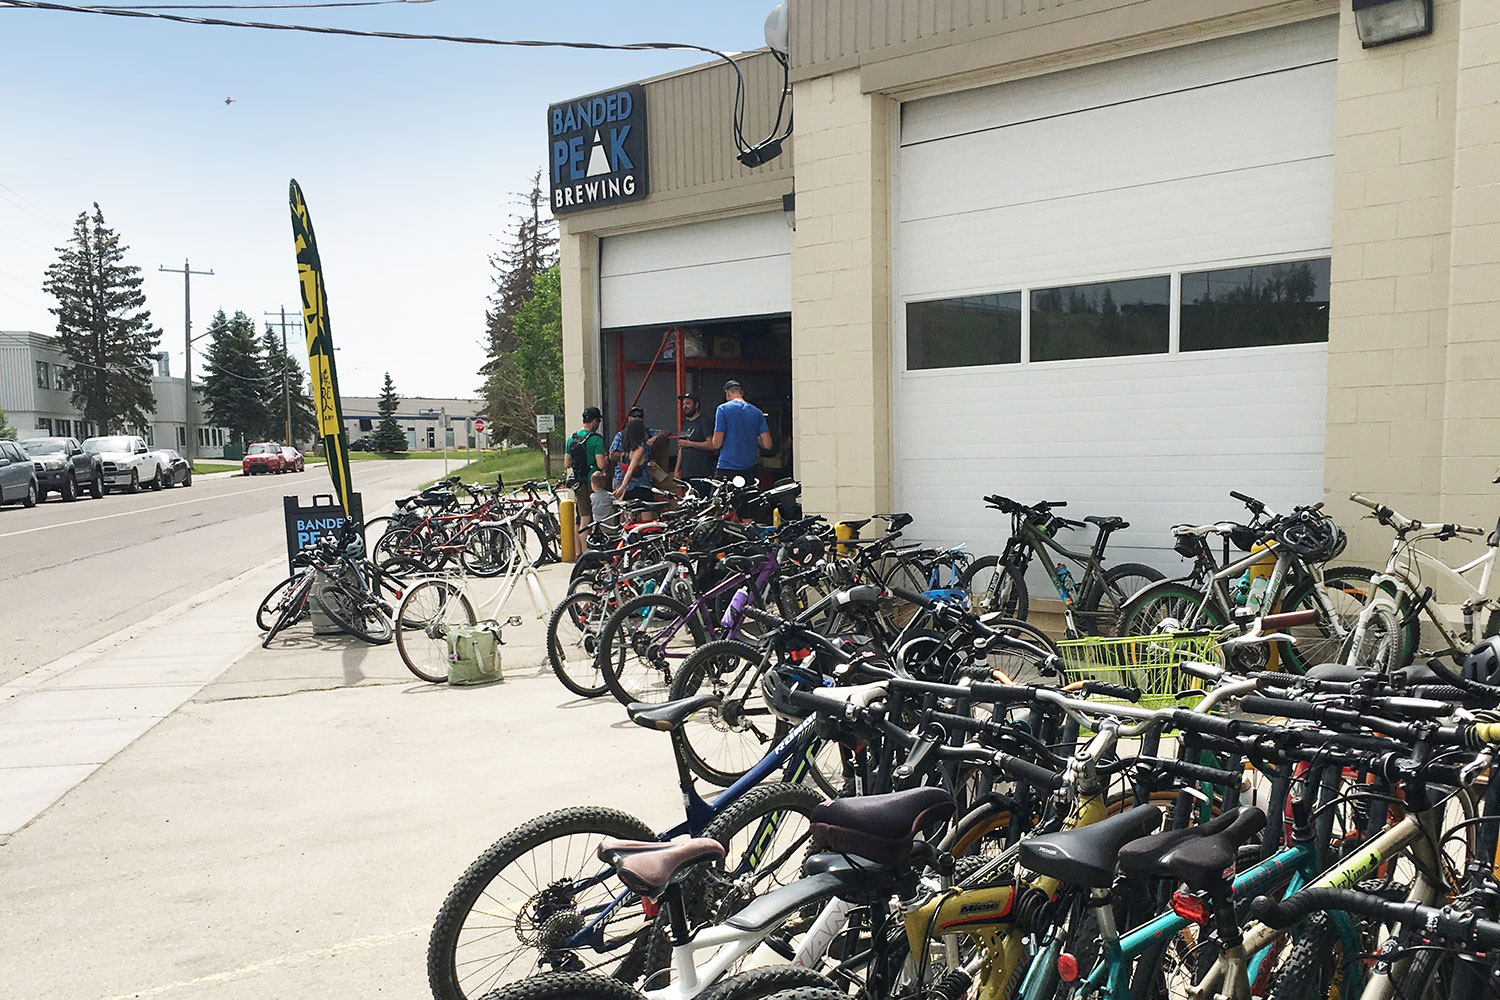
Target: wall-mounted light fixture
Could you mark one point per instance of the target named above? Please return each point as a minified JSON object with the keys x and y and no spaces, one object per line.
{"x":789,"y":207}
{"x":1380,"y":22}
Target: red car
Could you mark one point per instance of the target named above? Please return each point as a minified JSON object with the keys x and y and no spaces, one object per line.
{"x":263,"y":457}
{"x":292,"y":458}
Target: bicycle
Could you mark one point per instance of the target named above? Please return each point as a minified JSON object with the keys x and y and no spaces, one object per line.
{"x":1387,"y":631}
{"x":434,"y":606}
{"x":346,"y":586}
{"x":1091,"y":605}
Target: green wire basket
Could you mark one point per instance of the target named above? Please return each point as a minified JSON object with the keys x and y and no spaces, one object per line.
{"x":1151,"y":663}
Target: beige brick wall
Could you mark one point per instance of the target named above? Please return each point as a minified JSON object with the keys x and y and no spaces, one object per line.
{"x":1392,"y":240}
{"x":579,"y":273}
{"x":841,"y":297}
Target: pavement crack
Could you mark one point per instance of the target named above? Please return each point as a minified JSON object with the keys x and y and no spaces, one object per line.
{"x":306,"y":690}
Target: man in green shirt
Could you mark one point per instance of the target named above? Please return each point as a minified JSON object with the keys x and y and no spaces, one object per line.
{"x":585,"y":455}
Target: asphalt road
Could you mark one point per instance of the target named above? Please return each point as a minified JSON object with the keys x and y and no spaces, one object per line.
{"x":73,"y":573}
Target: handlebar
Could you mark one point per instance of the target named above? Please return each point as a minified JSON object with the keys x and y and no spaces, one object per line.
{"x":1464,"y":928}
{"x":1392,"y":519}
{"x":1256,"y":507}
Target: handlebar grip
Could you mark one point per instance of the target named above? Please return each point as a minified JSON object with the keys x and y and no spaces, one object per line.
{"x":1242,"y":498}
{"x":1210,"y":725}
{"x":1197,"y":772}
{"x":1256,"y":705}
{"x":1465,"y":529}
{"x":1364,"y":501}
{"x":1288,"y":619}
{"x":1025,"y":770}
{"x":1109,"y":690}
{"x":917,"y":599}
{"x":1418,"y":708}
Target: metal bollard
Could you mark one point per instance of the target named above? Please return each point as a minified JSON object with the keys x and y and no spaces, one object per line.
{"x":568,"y":523}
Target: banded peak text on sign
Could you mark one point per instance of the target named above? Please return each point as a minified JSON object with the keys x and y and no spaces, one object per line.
{"x":598,"y":149}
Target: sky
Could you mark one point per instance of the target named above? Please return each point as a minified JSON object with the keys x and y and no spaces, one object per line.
{"x":412,"y":156}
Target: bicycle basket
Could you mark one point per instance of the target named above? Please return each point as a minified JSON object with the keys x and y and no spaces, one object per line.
{"x":1150,"y":663}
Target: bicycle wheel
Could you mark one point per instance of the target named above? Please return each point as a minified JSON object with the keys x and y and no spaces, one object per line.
{"x":566,"y":986}
{"x":764,"y":983}
{"x":1379,"y":648}
{"x":1099,"y":606}
{"x":720,"y":744}
{"x":1021,"y":666}
{"x":908,"y":575}
{"x":511,"y":913}
{"x":1314,"y":967}
{"x":426,"y":612}
{"x":293,"y":611}
{"x":486,"y":552}
{"x":275,"y":602}
{"x":997,"y":588}
{"x":356,"y":613}
{"x":1348,"y":590}
{"x":765,"y":834}
{"x":573,"y":643}
{"x":1170,"y":605}
{"x":644,"y":644}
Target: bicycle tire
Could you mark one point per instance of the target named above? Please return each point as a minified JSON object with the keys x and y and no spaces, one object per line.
{"x":764,"y":849}
{"x":1380,"y":646}
{"x":720,"y":744}
{"x":358,"y":615}
{"x":630,"y":681}
{"x":422,"y":639}
{"x":582,"y":612}
{"x":1349,"y":585}
{"x":1146,"y":612}
{"x":1003,"y":591}
{"x":450,"y":949}
{"x":1313,"y":966}
{"x":1099,"y":606}
{"x":293,"y":611}
{"x":486,"y":552}
{"x":764,"y":983}
{"x":566,"y":986}
{"x":274,"y":601}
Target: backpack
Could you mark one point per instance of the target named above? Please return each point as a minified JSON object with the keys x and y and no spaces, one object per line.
{"x":578,"y":456}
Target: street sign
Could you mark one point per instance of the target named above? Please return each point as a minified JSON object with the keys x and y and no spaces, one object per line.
{"x":545,"y":422}
{"x":479,"y":426}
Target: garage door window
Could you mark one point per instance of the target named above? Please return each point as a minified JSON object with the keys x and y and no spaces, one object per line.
{"x":1258,"y":306}
{"x":1107,"y":319}
{"x":957,"y":333}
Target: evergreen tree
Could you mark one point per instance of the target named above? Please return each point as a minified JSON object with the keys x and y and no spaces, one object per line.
{"x":510,"y":398}
{"x":304,"y":418}
{"x":235,"y":377}
{"x":388,"y":436}
{"x":6,"y":430}
{"x":104,"y":327}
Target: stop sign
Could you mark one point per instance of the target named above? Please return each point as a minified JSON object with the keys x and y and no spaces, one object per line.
{"x":479,"y":426}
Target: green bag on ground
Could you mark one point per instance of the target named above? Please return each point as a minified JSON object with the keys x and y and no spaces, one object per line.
{"x":474,"y":653}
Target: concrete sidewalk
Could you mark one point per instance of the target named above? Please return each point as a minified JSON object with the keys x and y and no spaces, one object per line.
{"x":281,"y":822}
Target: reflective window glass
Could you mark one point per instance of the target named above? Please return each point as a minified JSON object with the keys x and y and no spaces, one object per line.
{"x":1257,"y":306}
{"x":958,"y":333}
{"x":1105,"y":319}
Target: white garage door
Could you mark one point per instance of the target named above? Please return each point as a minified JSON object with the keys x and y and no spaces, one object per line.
{"x":1112,"y":290}
{"x":704,"y":270}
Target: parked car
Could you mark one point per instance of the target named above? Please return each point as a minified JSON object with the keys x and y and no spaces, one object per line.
{"x":17,"y":476}
{"x":360,"y":444}
{"x":263,"y":457}
{"x":179,"y":469}
{"x":128,"y":463}
{"x":293,"y":458}
{"x":64,"y":468}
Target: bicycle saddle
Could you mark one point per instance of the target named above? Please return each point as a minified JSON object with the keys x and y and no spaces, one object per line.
{"x":1416,"y":673}
{"x":1202,"y":856}
{"x":1086,"y":856}
{"x":857,"y":525}
{"x":1217,"y":528}
{"x":1108,"y":523}
{"x":879,"y":827}
{"x":668,"y":715}
{"x":648,"y":867}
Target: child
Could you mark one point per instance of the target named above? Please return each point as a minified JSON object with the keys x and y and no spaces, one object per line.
{"x":602,"y":500}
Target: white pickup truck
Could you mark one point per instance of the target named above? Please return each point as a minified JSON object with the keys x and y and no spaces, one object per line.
{"x":128,"y":463}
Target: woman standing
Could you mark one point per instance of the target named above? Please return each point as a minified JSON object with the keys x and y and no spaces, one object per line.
{"x":635,"y":483}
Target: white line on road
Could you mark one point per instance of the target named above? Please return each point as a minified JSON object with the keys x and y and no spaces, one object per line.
{"x":143,"y":510}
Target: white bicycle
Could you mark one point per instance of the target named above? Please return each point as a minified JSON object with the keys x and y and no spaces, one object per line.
{"x":1387,"y":632}
{"x":432,"y":607}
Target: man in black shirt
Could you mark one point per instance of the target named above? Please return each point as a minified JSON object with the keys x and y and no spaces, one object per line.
{"x":695,"y":451}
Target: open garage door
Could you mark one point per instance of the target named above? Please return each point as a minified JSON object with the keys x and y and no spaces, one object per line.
{"x":1113,"y":289}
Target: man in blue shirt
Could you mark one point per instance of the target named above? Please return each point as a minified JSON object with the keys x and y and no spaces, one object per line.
{"x":740,"y":433}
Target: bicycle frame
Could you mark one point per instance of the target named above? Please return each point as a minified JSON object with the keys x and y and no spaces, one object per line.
{"x":1404,"y":572}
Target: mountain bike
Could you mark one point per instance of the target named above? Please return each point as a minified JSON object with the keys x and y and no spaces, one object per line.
{"x":353,"y":592}
{"x":1091,"y":604}
{"x":1387,"y":631}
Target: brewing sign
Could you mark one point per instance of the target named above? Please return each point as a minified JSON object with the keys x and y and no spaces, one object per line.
{"x":598,"y":150}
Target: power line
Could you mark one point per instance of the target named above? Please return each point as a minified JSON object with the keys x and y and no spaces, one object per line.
{"x":49,"y":216}
{"x":252,"y":6}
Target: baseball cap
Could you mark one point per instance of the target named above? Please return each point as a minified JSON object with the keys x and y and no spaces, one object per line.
{"x":689,"y":395}
{"x":733,"y":383}
{"x":592,"y":413}
{"x":637,"y":413}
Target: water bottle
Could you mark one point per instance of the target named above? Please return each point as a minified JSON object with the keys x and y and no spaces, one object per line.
{"x":1257,"y":594}
{"x":1066,"y":588}
{"x":1241,"y":590}
{"x":736,"y":606}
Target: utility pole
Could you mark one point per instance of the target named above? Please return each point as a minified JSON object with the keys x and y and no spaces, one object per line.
{"x":190,"y":443}
{"x":286,"y":389}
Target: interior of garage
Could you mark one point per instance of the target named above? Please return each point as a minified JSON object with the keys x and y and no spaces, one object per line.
{"x":649,"y":366}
